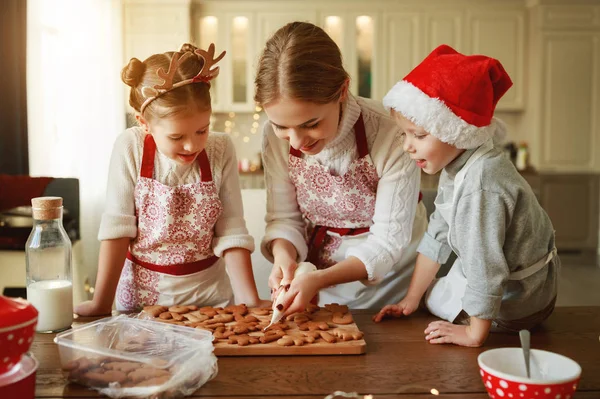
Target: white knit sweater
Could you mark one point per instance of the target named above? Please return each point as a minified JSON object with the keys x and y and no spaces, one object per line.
{"x":397,"y":191}
{"x":119,"y":218}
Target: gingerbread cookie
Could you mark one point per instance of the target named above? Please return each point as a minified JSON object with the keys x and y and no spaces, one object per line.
{"x":243,"y":340}
{"x":313,"y":326}
{"x":337,"y":308}
{"x":346,"y":335}
{"x":341,"y":318}
{"x":155,"y":310}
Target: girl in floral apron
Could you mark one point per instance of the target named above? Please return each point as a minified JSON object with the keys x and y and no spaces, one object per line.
{"x":341,"y":192}
{"x":505,"y":276}
{"x":173,"y":228}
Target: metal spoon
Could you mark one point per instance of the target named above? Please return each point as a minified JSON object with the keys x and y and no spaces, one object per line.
{"x":525,"y":340}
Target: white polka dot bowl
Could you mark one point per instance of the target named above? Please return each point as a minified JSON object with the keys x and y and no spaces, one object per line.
{"x":503,"y":373}
{"x":17,"y":329}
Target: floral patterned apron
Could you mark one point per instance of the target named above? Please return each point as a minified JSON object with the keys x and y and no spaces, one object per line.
{"x":339,"y":212}
{"x":171,"y":260}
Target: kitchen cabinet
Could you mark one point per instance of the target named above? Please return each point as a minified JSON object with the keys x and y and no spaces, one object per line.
{"x":242,"y":34}
{"x":499,"y":32}
{"x":564,"y":85}
{"x":380,"y":41}
{"x":153,"y":26}
{"x":550,"y":48}
{"x":496,"y":30}
{"x":572,"y":202}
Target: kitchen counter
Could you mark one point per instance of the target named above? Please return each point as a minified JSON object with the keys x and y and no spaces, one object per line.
{"x":398,"y":362}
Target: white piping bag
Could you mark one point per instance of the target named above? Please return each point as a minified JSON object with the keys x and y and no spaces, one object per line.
{"x":303,"y":268}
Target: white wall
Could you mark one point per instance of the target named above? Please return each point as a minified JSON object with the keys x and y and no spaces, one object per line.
{"x":75,"y":100}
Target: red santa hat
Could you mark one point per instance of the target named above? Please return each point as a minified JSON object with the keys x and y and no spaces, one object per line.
{"x":452,"y":96}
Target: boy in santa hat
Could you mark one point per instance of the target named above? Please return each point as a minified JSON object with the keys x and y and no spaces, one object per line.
{"x":505,"y":276}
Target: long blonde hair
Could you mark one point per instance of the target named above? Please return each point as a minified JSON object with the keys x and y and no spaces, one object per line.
{"x":182,"y":100}
{"x":302,"y":62}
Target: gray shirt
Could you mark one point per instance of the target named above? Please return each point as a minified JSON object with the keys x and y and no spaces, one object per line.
{"x":498,"y":227}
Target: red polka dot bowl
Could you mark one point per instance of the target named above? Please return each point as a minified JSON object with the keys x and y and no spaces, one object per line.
{"x":503,"y":373}
{"x":18,"y":319}
{"x":19,"y":382}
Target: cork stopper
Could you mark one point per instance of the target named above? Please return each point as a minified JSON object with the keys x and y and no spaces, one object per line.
{"x":46,"y":208}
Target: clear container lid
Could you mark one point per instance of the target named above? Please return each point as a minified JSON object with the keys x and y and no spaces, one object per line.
{"x":158,"y":344}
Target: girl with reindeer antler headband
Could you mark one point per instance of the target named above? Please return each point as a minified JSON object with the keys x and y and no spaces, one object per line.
{"x":173,"y":224}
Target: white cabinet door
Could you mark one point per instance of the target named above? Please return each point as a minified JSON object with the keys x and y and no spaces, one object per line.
{"x":151,"y":29}
{"x":358,"y":35}
{"x":240,"y":43}
{"x":209,"y":28}
{"x":444,"y":27}
{"x":402,"y":40}
{"x":569,"y":130}
{"x":500,"y":34}
{"x":243,"y":35}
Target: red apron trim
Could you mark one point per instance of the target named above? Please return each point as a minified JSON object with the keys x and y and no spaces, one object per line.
{"x":361,"y":137}
{"x":182,"y":269}
{"x":147,"y":169}
{"x":204,"y":166}
{"x":317,"y":239}
{"x":359,"y":134}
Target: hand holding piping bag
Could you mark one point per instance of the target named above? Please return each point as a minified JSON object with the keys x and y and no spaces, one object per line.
{"x":278,"y":309}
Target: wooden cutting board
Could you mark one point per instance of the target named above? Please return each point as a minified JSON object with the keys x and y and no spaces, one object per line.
{"x":223,"y":347}
{"x":319,"y":347}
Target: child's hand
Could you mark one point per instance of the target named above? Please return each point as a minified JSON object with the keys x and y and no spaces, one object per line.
{"x":300,"y":292}
{"x":443,"y":332}
{"x":402,"y":308}
{"x":282,"y":273}
{"x":91,"y":308}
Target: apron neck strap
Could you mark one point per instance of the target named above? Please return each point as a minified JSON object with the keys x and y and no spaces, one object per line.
{"x":204,"y":166}
{"x":147,"y":169}
{"x":149,"y":153}
{"x":361,"y":137}
{"x":359,"y":134}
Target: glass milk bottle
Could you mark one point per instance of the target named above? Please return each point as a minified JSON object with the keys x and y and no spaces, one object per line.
{"x":48,"y":253}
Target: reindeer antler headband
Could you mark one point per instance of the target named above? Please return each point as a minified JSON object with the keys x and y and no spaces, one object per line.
{"x":205,"y":75}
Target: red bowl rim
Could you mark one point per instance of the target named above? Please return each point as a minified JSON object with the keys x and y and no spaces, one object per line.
{"x":525,"y":380}
{"x":17,"y":326}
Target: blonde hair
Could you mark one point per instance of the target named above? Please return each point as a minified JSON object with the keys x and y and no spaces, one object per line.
{"x":182,"y":100}
{"x":302,"y":62}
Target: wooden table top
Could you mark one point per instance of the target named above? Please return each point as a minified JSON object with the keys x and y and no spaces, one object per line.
{"x":398,"y":363}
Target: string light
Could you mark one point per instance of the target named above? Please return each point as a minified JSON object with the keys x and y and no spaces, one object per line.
{"x":246,"y":139}
{"x":255,"y":124}
{"x":258,"y":109}
{"x":227,"y":123}
{"x":232,"y":114}
{"x":253,"y":130}
{"x":435,"y":391}
{"x":256,"y":117}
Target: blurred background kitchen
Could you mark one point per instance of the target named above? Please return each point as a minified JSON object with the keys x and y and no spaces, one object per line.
{"x":63,"y":102}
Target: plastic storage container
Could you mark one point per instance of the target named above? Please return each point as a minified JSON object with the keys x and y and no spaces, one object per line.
{"x":127,"y":357}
